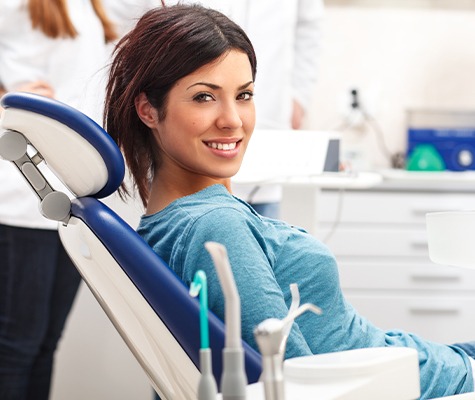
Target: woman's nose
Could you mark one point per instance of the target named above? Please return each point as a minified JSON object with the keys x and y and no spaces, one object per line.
{"x":229,"y":117}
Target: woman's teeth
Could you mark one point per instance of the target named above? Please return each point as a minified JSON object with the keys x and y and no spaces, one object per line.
{"x":222,"y":146}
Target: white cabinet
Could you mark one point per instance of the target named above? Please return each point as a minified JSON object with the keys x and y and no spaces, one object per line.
{"x":379,"y":239}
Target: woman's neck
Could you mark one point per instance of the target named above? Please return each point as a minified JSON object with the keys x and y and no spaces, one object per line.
{"x":165,"y":190}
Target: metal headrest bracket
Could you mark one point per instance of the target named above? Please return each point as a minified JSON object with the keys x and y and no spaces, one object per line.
{"x":54,"y":205}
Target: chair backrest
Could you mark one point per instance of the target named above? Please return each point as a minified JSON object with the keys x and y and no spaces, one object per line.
{"x":147,"y":303}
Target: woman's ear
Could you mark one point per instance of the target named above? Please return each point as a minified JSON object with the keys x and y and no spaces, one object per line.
{"x":146,"y":112}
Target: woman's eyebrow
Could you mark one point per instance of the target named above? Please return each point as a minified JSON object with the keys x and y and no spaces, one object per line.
{"x":245,"y":85}
{"x":216,"y":87}
{"x":210,"y":85}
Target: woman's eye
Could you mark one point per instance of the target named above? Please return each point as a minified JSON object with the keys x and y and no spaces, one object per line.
{"x":203,"y":97}
{"x":246,"y":96}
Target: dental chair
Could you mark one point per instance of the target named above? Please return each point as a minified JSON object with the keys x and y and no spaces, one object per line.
{"x":147,"y":303}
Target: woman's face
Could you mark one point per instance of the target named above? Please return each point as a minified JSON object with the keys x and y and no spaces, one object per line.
{"x":210,"y":118}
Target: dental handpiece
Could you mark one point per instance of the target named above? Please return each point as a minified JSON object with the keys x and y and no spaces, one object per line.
{"x":271,"y":336}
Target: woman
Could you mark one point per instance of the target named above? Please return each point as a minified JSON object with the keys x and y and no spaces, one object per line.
{"x":55,"y":48}
{"x":180,"y":105}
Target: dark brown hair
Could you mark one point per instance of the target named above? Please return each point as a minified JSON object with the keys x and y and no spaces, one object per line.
{"x":167,"y":44}
{"x":52,"y":18}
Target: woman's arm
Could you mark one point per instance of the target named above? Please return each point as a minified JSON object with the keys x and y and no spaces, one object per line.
{"x":260,"y":294}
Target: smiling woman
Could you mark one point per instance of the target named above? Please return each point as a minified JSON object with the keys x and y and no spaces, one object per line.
{"x":180,"y":105}
{"x":209,"y":120}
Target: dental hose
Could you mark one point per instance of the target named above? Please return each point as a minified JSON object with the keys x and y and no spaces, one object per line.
{"x":207,"y":388}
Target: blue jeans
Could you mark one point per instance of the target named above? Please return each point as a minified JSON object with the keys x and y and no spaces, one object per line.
{"x":38,"y":283}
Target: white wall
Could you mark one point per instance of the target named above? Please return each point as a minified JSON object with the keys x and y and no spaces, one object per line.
{"x":398,"y":58}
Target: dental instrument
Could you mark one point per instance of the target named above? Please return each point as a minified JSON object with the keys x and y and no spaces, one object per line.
{"x":271,"y":337}
{"x":294,"y":305}
{"x":207,"y":389}
{"x":233,"y":380}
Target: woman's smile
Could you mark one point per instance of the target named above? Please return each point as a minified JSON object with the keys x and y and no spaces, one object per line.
{"x":224,"y":148}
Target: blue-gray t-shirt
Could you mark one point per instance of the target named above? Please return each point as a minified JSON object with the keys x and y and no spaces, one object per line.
{"x":266,"y":256}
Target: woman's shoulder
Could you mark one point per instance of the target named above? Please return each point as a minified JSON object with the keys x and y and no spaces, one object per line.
{"x":217,"y":209}
{"x":211,"y":206}
{"x":212,"y":201}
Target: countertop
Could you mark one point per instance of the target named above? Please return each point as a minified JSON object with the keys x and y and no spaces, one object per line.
{"x":445,"y":181}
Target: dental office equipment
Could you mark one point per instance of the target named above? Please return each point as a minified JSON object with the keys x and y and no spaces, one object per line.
{"x":444,"y":137}
{"x":271,"y":336}
{"x":233,"y":381}
{"x":305,"y":155}
{"x":207,"y":389}
{"x":294,"y":304}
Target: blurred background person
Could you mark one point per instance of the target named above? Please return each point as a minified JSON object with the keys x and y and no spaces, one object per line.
{"x":58,"y":49}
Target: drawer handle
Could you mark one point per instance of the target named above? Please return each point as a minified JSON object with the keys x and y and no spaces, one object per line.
{"x":433,"y":311}
{"x":419,"y":244}
{"x":436,"y":278}
{"x":421,"y":212}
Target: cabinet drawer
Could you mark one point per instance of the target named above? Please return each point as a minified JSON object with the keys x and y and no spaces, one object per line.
{"x":410,"y":276}
{"x":368,"y":241}
{"x":440,"y":319}
{"x":387,"y":207}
